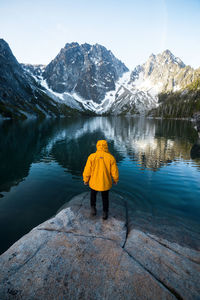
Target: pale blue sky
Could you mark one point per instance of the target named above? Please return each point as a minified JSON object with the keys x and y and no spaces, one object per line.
{"x":132,"y":30}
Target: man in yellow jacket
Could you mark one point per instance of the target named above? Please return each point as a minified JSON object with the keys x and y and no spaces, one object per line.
{"x":99,"y":171}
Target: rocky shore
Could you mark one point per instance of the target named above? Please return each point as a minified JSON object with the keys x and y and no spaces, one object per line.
{"x":196,"y":121}
{"x":129,"y":256}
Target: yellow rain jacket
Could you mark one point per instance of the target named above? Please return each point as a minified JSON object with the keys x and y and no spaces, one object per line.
{"x":101,"y":168}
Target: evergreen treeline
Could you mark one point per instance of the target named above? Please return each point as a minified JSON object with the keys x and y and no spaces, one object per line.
{"x":181,"y":104}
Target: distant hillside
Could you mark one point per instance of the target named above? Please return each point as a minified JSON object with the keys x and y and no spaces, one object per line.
{"x":181,"y":104}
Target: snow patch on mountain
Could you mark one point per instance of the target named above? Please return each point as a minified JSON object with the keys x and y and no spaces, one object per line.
{"x":110,"y":96}
{"x":146,"y":85}
{"x":65,"y":97}
{"x":123,"y":98}
{"x":127,"y":99}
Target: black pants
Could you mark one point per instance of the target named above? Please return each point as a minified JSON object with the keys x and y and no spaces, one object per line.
{"x":104,"y":196}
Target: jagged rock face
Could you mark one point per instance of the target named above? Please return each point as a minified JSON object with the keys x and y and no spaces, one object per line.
{"x":88,"y":70}
{"x":17,"y":88}
{"x":75,"y":256}
{"x":35,"y":70}
{"x":20,"y":95}
{"x":162,"y":73}
{"x":13,"y":79}
{"x":132,"y":102}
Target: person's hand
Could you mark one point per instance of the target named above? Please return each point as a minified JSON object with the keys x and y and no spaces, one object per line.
{"x":114,"y":182}
{"x":86,"y":183}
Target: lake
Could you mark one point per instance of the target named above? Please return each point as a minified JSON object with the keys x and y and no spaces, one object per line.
{"x":41,"y":165}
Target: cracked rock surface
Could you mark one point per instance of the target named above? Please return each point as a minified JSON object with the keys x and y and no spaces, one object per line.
{"x":75,"y":256}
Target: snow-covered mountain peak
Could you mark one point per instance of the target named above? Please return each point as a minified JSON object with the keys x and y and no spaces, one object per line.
{"x":152,"y":56}
{"x":163,"y":72}
{"x":87,"y":70}
{"x":168,"y":57}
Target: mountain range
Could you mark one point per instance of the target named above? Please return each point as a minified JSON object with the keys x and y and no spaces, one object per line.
{"x":89,"y":79}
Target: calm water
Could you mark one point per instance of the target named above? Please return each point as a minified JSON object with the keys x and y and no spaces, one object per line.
{"x":41,"y":164}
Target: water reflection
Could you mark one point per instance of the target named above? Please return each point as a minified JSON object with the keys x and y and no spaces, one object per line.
{"x":21,"y":144}
{"x":41,"y":164}
{"x":151,"y":143}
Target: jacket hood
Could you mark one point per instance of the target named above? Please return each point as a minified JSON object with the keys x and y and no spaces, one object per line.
{"x":102,"y":145}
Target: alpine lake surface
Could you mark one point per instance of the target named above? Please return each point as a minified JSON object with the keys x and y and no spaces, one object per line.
{"x":41,"y":165}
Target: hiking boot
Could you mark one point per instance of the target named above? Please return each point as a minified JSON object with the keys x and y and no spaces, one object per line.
{"x":93,"y":211}
{"x":105,"y":215}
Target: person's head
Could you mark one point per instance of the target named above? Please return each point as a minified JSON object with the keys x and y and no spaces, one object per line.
{"x":102,"y":145}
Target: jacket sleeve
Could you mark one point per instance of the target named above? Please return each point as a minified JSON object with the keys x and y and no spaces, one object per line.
{"x":87,"y":170}
{"x":114,"y":170}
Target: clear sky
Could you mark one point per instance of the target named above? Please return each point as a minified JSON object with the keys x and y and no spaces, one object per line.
{"x":131,"y":29}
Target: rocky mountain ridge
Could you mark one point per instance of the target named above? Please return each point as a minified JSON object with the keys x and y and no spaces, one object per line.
{"x":88,"y":70}
{"x":138,"y":91}
{"x":163,"y":73}
{"x":21,"y":96}
{"x":90,"y":79}
{"x":117,"y":95}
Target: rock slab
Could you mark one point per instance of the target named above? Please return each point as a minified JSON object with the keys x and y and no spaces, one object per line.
{"x":75,"y":256}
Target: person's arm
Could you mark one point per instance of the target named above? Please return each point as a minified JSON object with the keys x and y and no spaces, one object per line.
{"x":87,"y":171}
{"x":114,"y":171}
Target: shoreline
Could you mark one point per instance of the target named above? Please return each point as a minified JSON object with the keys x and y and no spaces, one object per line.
{"x":73,"y":255}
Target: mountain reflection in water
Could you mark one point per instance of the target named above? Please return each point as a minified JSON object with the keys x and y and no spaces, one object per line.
{"x":41,"y":165}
